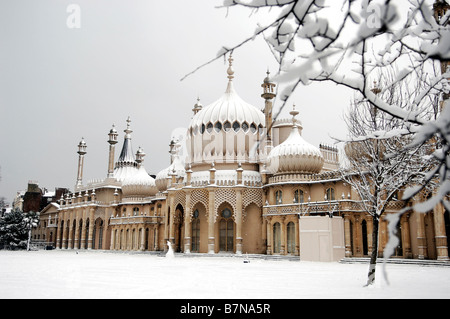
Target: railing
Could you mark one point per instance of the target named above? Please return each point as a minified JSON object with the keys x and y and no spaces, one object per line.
{"x":329,"y":207}
{"x":138,"y":219}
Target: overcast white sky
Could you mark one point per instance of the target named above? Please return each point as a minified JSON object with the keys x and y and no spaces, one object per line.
{"x":58,"y":84}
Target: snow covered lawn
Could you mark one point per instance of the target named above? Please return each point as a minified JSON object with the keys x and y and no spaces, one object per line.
{"x":97,"y":274}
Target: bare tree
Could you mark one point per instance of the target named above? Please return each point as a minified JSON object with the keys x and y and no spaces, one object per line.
{"x":381,"y":163}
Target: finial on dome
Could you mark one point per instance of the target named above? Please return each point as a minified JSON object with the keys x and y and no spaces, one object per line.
{"x":128,"y":131}
{"x":294,"y":113}
{"x":230,"y":73}
{"x":198,"y":106}
{"x":230,"y":70}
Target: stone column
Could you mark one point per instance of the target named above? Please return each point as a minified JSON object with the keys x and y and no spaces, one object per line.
{"x":283,"y":235}
{"x":422,"y":252}
{"x":211,"y":218}
{"x":347,"y":233}
{"x":406,"y":237}
{"x":142,"y":248}
{"x":238,"y":222}
{"x":187,"y":224}
{"x":77,"y":232}
{"x":83,"y":234}
{"x":64,"y":239}
{"x":70,"y":237}
{"x":113,"y":238}
{"x":58,"y":236}
{"x":171,"y":219}
{"x":439,"y":231}
{"x":155,"y":244}
{"x":91,"y":227}
{"x":269,"y":236}
{"x":297,"y":237}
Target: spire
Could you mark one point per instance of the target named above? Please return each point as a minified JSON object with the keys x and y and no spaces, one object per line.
{"x":128,"y":131}
{"x":230,"y":73}
{"x":112,"y":142}
{"x":81,"y":152}
{"x":294,"y":113}
{"x":268,"y":95}
{"x":127,"y":155}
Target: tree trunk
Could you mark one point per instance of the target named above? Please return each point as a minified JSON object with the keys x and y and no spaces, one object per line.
{"x":373,"y":257}
{"x":29,"y":239}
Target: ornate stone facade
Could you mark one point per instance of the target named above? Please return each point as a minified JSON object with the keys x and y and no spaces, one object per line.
{"x":242,"y":187}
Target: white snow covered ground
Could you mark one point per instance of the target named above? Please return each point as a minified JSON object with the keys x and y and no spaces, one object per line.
{"x":96,"y":274}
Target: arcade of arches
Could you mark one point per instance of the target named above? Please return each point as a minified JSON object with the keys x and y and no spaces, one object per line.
{"x":206,"y":220}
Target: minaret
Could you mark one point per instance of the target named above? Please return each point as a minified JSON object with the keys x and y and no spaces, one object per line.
{"x":126,"y":155}
{"x":81,"y":152}
{"x":268,"y":96}
{"x":140,"y":156}
{"x":230,"y":73}
{"x":112,"y":142}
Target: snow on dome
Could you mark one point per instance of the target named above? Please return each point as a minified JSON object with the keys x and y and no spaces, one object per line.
{"x":229,"y":108}
{"x":140,"y":184}
{"x":295,"y":155}
{"x":216,"y":129}
{"x":163,"y":177}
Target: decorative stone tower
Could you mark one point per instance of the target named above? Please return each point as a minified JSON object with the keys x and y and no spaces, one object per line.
{"x":140,"y":154}
{"x":81,"y":152}
{"x":112,"y":142}
{"x":268,"y":96}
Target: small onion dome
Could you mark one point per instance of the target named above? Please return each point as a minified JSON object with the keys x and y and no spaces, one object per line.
{"x":294,"y":156}
{"x":140,"y":184}
{"x":163,"y":177}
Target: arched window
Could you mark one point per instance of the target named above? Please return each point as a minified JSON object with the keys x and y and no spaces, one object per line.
{"x":298,"y":196}
{"x":278,"y":197}
{"x":291,"y":238}
{"x":276,"y":238}
{"x":195,"y":245}
{"x":226,"y":241}
{"x":135,"y":211}
{"x":253,"y":128}
{"x":218,"y":127}
{"x":236,"y":126}
{"x":330,"y":194}
{"x":245,"y":126}
{"x":209,"y":127}
{"x":227,"y":126}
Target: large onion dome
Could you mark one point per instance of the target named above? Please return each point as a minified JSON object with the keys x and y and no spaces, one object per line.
{"x":140,"y":184}
{"x":295,"y":155}
{"x":226,"y":130}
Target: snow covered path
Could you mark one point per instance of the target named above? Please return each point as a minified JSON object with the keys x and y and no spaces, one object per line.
{"x":96,"y":274}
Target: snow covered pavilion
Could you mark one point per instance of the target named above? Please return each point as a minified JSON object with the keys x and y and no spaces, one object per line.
{"x":247,"y":184}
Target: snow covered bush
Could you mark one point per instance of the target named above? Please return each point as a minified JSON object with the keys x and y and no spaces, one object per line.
{"x":13,"y":234}
{"x":15,"y":229}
